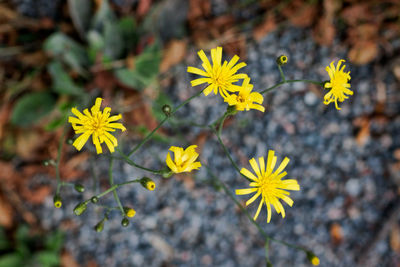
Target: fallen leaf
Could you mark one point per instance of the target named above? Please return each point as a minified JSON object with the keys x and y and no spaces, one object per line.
{"x":7,"y":213}
{"x":363,"y":123}
{"x":395,"y":238}
{"x":198,"y":9}
{"x":268,"y":25}
{"x":36,"y":196}
{"x":174,"y":53}
{"x":324,"y":32}
{"x":300,"y":14}
{"x":67,"y":260}
{"x":363,"y":52}
{"x":336,"y":233}
{"x":356,"y":13}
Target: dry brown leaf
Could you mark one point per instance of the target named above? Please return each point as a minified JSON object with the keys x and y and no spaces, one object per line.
{"x":395,"y":238}
{"x":72,"y":168}
{"x":198,"y":9}
{"x":356,"y":13}
{"x":143,"y":7}
{"x":300,"y":14}
{"x":28,"y":142}
{"x":324,"y":32}
{"x":268,"y":25}
{"x":67,"y":260}
{"x":38,"y":195}
{"x":363,"y":52}
{"x":174,"y":53}
{"x":7,"y":213}
{"x":364,"y":133}
{"x":140,"y":112}
{"x":336,"y":233}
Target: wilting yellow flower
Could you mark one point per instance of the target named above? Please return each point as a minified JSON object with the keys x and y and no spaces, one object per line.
{"x":339,"y":85}
{"x":97,"y":124}
{"x":219,"y":77}
{"x":184,"y":159}
{"x":130,"y":212}
{"x":245,"y":98}
{"x":268,"y":184}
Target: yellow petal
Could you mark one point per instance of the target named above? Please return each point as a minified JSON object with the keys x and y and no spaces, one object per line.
{"x":251,"y":200}
{"x":248,"y":174}
{"x":258,"y":210}
{"x":171,"y":164}
{"x":245,"y":191}
{"x":81,"y":140}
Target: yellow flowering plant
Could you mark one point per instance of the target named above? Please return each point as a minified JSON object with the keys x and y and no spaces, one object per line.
{"x":266,"y":179}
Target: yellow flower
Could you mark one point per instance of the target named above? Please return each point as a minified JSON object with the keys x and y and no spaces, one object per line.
{"x":219,"y":77}
{"x":339,"y":85}
{"x":245,"y":98}
{"x":315,"y":261}
{"x":97,"y":124}
{"x":269,"y":185}
{"x":184,"y":159}
{"x":130,"y":212}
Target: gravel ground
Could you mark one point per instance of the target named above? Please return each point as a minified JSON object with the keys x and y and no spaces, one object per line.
{"x":346,"y":183}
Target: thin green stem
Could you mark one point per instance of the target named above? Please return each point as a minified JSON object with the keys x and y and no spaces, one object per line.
{"x":290,"y":81}
{"x":267,"y":249}
{"x":57,"y":165}
{"x":110,"y":173}
{"x":138,"y":146}
{"x":130,"y":162}
{"x":225,"y":150}
{"x":115,"y":186}
{"x":281,"y":72}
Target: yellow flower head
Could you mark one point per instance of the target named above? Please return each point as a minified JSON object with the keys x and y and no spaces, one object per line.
{"x":97,"y":124}
{"x":219,"y":77}
{"x":315,"y":261}
{"x":338,"y":84}
{"x":269,"y":185}
{"x":147,"y":183}
{"x":245,"y":98}
{"x":184,"y":159}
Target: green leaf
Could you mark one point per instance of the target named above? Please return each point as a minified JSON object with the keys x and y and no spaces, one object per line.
{"x":48,"y":258}
{"x":113,"y":42}
{"x":55,"y":241}
{"x":127,"y":27}
{"x":103,"y":15}
{"x":11,"y":260}
{"x":130,"y":78}
{"x":4,"y":243}
{"x":62,"y":83}
{"x":80,"y":11}
{"x":31,"y":108}
{"x":70,"y":52}
{"x":146,"y":69}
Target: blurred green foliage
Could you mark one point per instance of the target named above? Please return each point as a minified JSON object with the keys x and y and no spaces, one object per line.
{"x":25,"y":249}
{"x":108,"y":40}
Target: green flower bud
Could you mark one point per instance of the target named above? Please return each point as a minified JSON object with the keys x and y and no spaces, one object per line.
{"x":147,"y":183}
{"x":94,"y":199}
{"x":129,"y":212}
{"x":167,"y":110}
{"x":57,"y":201}
{"x":79,"y":188}
{"x":99,"y":226}
{"x":166,"y":173}
{"x":125,"y":222}
{"x":282,"y":60}
{"x":314,"y":260}
{"x":80,"y":208}
{"x":69,"y":141}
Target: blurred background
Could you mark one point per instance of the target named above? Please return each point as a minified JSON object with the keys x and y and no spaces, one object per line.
{"x":56,"y":54}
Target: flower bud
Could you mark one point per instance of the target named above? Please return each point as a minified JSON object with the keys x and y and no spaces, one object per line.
{"x":125,"y":222}
{"x":94,"y":199}
{"x":166,"y":173}
{"x":147,"y":183}
{"x":80,"y":208}
{"x":57,"y":201}
{"x":269,"y":264}
{"x":99,"y":226}
{"x":282,"y":60}
{"x":167,"y":110}
{"x":49,"y":162}
{"x":312,"y":258}
{"x":69,"y":141}
{"x":79,"y":188}
{"x":129,"y":212}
